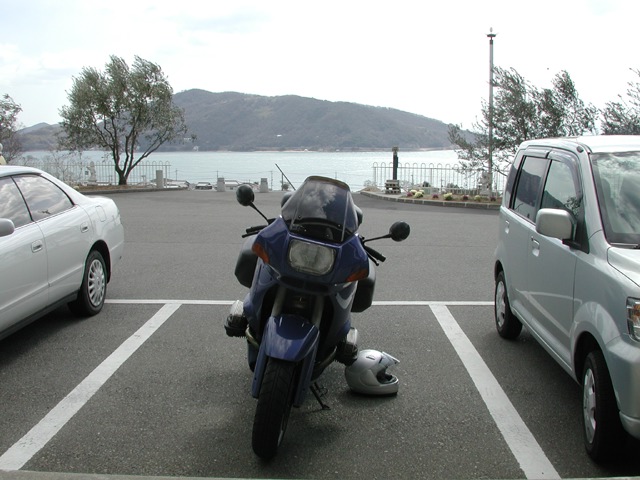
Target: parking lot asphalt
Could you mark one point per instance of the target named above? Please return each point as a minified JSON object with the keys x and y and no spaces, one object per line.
{"x":152,"y":387}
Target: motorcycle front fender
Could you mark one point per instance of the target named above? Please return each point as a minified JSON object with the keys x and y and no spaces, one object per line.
{"x":290,"y":338}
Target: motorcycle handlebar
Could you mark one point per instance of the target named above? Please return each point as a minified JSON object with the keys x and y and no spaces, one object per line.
{"x":377,"y":255}
{"x":253,"y":230}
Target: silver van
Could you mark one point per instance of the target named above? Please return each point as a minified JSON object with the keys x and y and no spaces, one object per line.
{"x":567,"y":267}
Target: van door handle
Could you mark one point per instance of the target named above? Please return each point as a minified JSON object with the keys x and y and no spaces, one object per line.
{"x":535,"y":247}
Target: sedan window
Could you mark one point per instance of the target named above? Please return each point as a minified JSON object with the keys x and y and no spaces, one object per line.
{"x":12,"y":205}
{"x":42,"y":196}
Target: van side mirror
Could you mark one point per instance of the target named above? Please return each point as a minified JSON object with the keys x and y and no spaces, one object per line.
{"x":555,"y":223}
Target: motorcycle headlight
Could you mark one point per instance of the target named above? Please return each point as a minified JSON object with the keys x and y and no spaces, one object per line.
{"x":310,"y":257}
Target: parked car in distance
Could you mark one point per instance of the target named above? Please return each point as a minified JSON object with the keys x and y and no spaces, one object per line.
{"x":57,"y":246}
{"x":204,"y":186}
{"x":567,"y":266}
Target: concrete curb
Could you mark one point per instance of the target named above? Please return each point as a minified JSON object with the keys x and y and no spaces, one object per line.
{"x":427,"y":201}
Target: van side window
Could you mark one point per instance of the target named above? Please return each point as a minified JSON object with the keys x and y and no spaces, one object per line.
{"x":511,"y":180}
{"x":560,"y":190}
{"x":529,"y":186}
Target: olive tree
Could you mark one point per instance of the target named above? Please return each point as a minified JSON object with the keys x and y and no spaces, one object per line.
{"x":126,"y":111}
{"x":9,"y":138}
{"x":522,"y":112}
{"x":623,"y":117}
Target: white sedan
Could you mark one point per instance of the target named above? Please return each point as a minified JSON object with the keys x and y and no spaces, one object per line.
{"x":57,"y":246}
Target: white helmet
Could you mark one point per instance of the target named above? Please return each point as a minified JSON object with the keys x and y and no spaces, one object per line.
{"x":368,"y":374}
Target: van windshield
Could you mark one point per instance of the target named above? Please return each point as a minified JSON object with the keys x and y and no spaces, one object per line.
{"x":617,"y":180}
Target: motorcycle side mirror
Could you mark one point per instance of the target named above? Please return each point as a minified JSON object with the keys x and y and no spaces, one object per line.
{"x":399,"y":231}
{"x":245,"y":195}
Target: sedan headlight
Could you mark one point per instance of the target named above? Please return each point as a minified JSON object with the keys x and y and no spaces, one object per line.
{"x":310,"y":257}
{"x":633,"y":317}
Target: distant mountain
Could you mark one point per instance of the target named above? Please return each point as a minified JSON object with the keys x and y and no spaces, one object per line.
{"x":39,"y":137}
{"x":243,"y":122}
{"x":236,"y":121}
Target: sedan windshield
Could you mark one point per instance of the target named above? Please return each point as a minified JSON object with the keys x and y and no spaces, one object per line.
{"x":321,"y":208}
{"x":617,"y":179}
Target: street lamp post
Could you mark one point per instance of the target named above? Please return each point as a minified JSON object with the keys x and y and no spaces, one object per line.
{"x":491,"y":36}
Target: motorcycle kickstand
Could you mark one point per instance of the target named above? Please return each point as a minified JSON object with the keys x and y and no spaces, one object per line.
{"x":319,"y":392}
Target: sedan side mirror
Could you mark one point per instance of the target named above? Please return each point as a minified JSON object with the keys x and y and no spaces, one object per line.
{"x":6,"y":227}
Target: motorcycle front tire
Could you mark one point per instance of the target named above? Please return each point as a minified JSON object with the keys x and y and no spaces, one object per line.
{"x":274,"y":406}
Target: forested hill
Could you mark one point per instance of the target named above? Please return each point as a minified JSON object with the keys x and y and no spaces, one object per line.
{"x":236,"y":121}
{"x":243,"y":122}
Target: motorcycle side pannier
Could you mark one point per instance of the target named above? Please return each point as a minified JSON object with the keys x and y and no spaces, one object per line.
{"x":364,"y":292}
{"x":246,"y":263}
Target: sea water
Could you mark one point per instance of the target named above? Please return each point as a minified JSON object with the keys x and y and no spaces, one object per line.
{"x":353,"y":168}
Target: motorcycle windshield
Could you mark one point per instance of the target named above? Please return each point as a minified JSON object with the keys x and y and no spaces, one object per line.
{"x":323,"y":209}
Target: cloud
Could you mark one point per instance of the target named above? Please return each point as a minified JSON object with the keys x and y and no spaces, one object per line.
{"x":412,"y":55}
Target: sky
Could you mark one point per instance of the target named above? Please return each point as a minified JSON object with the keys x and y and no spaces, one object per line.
{"x":427,"y":57}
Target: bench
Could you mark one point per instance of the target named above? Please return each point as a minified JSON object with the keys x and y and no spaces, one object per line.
{"x":392,"y":186}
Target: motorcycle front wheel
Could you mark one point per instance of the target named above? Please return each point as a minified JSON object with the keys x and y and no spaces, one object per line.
{"x":274,"y":406}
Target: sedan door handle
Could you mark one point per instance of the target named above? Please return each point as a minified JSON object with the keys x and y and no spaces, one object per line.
{"x":84,"y":228}
{"x":37,"y":246}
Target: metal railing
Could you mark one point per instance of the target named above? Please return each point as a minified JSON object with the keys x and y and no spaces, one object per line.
{"x":438,"y":178}
{"x":74,"y":172}
{"x":434,"y":178}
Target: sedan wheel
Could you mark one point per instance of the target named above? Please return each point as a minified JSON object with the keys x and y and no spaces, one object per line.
{"x":94,"y":287}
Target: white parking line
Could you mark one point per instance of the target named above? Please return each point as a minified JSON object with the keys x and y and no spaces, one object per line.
{"x":25,"y":448}
{"x":523,"y":445}
{"x":520,"y":440}
{"x":419,"y":303}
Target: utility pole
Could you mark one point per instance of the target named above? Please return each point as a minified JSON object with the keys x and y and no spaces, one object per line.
{"x":395,"y":162}
{"x":491,"y":36}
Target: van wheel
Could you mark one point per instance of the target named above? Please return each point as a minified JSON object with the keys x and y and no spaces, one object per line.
{"x":94,"y":287}
{"x":603,"y":432}
{"x":507,"y":324}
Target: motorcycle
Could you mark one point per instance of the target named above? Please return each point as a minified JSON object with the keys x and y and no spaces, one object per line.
{"x":306,"y":271}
